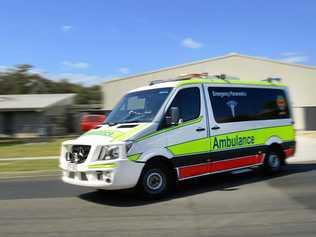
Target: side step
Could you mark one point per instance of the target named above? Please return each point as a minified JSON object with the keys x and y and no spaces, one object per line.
{"x":241,"y":171}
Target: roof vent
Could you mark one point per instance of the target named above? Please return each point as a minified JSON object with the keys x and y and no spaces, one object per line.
{"x":221,"y":76}
{"x":181,"y":77}
{"x":225,"y":77}
{"x":192,"y":75}
{"x":273,"y":79}
{"x":156,"y":82}
{"x":203,"y":75}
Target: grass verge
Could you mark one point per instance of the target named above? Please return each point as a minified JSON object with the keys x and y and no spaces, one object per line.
{"x":17,"y":149}
{"x":28,"y":165}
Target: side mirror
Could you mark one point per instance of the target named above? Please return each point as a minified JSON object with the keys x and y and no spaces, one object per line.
{"x":174,"y":116}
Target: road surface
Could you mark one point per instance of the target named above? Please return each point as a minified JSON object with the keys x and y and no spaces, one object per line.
{"x":247,"y":204}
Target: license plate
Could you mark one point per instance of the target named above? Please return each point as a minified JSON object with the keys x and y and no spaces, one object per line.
{"x":72,"y":167}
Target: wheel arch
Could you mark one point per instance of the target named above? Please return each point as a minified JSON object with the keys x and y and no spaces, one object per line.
{"x":156,"y":160}
{"x":278,"y":148}
{"x":275,"y":144}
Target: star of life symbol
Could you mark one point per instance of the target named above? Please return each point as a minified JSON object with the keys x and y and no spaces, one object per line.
{"x":232,"y":105}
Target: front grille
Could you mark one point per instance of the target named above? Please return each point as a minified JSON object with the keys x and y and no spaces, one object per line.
{"x":83,"y":176}
{"x":78,"y":154}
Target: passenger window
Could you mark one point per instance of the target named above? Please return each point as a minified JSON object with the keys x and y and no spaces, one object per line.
{"x":189,"y":103}
{"x":247,"y":104}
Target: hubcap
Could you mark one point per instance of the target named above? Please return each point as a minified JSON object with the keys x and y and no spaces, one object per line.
{"x":154,"y":181}
{"x":274,"y":161}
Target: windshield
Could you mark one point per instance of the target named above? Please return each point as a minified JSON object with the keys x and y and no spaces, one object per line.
{"x":137,"y":107}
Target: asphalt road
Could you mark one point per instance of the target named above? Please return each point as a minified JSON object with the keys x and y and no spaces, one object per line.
{"x":246,"y":204}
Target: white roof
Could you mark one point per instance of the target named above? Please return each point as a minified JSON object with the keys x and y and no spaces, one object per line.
{"x":31,"y":101}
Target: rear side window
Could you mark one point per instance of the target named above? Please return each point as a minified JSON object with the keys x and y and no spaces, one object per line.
{"x":189,"y":103}
{"x":247,"y":104}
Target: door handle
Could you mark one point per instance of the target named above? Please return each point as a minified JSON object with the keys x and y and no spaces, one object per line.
{"x":200,"y":129}
{"x":215,"y":127}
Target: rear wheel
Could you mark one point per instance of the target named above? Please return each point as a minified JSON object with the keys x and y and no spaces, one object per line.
{"x":272,"y":163}
{"x":155,"y":181}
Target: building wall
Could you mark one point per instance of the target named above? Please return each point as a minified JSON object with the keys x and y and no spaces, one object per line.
{"x":32,"y":123}
{"x":23,"y":122}
{"x":56,"y":118}
{"x":310,"y":118}
{"x":299,"y":117}
{"x":27,"y":122}
{"x":301,"y":80}
{"x":51,"y":121}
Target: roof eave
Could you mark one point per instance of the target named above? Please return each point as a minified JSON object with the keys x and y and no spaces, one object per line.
{"x":209,"y":60}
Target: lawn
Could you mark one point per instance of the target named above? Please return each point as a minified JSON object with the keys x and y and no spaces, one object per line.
{"x":16,"y":148}
{"x":28,"y":165}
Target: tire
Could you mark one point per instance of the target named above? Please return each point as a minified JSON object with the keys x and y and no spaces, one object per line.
{"x":155,"y":181}
{"x":272,"y":163}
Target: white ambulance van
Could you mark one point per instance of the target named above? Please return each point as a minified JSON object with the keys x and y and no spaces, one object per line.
{"x":180,"y":129}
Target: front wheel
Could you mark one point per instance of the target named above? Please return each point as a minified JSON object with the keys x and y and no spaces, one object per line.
{"x":155,"y":181}
{"x":272,"y":163}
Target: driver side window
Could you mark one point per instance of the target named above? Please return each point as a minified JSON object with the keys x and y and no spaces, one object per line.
{"x":188,"y":101}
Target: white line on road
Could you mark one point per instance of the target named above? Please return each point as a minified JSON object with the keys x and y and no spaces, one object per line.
{"x":30,"y":158}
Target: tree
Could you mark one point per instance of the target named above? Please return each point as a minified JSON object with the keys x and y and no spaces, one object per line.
{"x":21,"y":80}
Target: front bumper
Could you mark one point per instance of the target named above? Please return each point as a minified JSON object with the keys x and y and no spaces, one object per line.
{"x":110,"y":174}
{"x":121,"y":174}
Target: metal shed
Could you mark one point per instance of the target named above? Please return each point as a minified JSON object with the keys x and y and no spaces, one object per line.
{"x":34,"y":114}
{"x":301,"y":80}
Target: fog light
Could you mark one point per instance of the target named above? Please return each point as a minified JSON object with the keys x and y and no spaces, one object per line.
{"x":104,"y":175}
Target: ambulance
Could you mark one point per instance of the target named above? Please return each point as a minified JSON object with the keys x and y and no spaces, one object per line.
{"x":191,"y":126}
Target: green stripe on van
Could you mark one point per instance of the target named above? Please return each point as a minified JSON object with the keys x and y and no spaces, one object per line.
{"x":117,"y":135}
{"x":103,"y":166}
{"x":134,"y":157}
{"x":191,"y":147}
{"x":233,"y":140}
{"x":235,"y":82}
{"x":127,"y":135}
{"x":187,"y":123}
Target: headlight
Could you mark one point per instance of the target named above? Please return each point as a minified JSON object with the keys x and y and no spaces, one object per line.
{"x":109,"y":153}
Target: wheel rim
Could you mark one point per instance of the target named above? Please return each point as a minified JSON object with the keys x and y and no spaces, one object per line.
{"x":154,"y":181}
{"x":274,"y":161}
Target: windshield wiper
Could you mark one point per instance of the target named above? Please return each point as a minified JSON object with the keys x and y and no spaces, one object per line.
{"x":111,"y":124}
{"x":131,"y":121}
{"x":120,"y":122}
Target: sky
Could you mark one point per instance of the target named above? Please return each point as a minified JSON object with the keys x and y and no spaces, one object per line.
{"x":91,"y":41}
